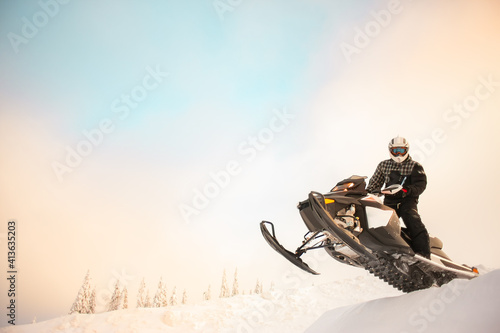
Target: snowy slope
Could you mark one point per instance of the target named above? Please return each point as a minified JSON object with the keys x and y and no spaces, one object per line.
{"x":361,"y":304}
{"x":460,"y":306}
{"x":290,"y":310}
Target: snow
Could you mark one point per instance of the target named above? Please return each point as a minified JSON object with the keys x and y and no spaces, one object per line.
{"x":460,"y":306}
{"x":360,"y":304}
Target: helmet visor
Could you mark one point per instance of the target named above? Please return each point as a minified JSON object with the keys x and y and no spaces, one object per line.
{"x":398,"y":151}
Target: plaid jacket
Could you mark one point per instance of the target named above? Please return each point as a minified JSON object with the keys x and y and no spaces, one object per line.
{"x":389,"y":172}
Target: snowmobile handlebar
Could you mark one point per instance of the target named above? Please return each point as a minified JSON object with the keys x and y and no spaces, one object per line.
{"x":393,"y":189}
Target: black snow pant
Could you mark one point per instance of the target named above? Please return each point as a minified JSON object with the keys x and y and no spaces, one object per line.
{"x":407,"y":210}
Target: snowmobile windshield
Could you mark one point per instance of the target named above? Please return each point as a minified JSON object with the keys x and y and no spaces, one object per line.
{"x":343,"y":187}
{"x":353,"y":184}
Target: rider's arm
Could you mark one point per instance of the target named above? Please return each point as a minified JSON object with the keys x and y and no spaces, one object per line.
{"x":418,"y":181}
{"x":377,"y":180}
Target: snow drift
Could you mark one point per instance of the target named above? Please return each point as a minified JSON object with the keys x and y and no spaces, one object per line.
{"x":460,"y":306}
{"x":360,"y":304}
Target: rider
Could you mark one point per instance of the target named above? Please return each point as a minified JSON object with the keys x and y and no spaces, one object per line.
{"x":402,"y":169}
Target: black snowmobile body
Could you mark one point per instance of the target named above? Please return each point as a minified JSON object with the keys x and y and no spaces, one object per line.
{"x":357,"y":229}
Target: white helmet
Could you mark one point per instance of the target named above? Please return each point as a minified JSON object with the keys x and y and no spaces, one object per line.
{"x":398,"y":149}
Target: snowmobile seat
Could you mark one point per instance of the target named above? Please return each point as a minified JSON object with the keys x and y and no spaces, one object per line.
{"x":437,"y":247}
{"x":436,"y":243}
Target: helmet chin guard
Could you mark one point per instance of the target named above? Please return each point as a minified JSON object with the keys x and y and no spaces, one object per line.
{"x":399,"y":149}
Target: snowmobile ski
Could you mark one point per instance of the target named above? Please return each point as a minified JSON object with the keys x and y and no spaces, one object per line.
{"x":294,"y":258}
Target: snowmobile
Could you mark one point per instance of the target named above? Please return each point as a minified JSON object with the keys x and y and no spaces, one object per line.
{"x":357,"y":229}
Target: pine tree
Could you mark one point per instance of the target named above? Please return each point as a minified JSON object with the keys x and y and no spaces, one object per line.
{"x":173,"y":298}
{"x":164,"y":296}
{"x":92,"y":303}
{"x":78,"y":305}
{"x":147,"y":303}
{"x":141,"y":295}
{"x":184,"y":297}
{"x":116,"y":298}
{"x":83,"y":299}
{"x":161,"y":298}
{"x":235,"y":284}
{"x":207,"y":295}
{"x":258,"y":288}
{"x":125,"y":298}
{"x":224,"y":290}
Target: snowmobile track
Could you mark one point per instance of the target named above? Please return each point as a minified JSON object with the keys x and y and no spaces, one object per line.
{"x":417,"y":278}
{"x":386,"y":271}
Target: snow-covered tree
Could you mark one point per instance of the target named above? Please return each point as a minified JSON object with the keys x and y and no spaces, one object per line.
{"x":224,"y":289}
{"x":184,"y":297}
{"x":235,"y":284}
{"x":258,"y":288}
{"x":207,"y":295}
{"x":147,"y":302}
{"x":125,"y":298}
{"x":173,"y":298}
{"x":161,"y":299}
{"x":92,"y":303}
{"x":116,"y":298}
{"x":83,"y":299}
{"x":141,"y":295}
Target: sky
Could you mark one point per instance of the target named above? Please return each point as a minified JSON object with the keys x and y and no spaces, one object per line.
{"x":149,"y":139}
